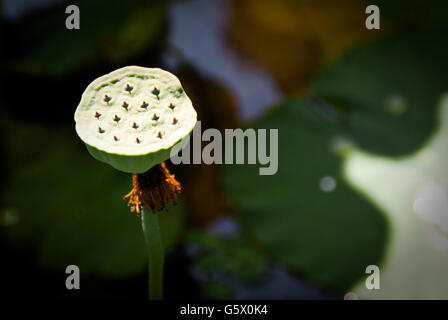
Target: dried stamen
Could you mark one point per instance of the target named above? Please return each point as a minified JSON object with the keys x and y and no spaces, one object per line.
{"x":153,"y":190}
{"x":174,"y":120}
{"x":101,"y":130}
{"x":97,"y":115}
{"x":134,"y":125}
{"x":107,"y":98}
{"x":115,"y":138}
{"x":125,"y":105}
{"x":171,"y":106}
{"x":155,"y":117}
{"x":144,"y":105}
{"x":159,"y":134}
{"x":117,"y":118}
{"x":137,"y":140}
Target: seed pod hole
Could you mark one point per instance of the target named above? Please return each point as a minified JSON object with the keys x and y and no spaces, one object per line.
{"x":125,"y":105}
{"x":155,"y":91}
{"x":144,"y":105}
{"x":129,"y":87}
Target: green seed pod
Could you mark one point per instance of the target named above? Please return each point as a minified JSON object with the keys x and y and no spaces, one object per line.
{"x":132,"y":117}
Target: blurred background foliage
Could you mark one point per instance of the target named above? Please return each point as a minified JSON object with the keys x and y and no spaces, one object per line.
{"x":111,"y":31}
{"x":83,"y":219}
{"x":306,"y":232}
{"x":294,"y":39}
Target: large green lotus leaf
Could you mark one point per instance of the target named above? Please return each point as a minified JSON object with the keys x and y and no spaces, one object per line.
{"x":387,"y":92}
{"x":329,"y":236}
{"x":70,"y":208}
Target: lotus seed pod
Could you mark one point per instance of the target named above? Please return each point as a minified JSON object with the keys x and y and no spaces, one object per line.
{"x":132,"y":117}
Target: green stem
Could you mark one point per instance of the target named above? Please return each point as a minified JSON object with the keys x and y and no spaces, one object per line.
{"x":151,"y":230}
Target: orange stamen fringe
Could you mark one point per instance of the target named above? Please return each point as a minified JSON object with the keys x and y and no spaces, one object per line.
{"x":153,"y":190}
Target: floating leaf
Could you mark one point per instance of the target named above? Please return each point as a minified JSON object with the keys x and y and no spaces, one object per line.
{"x":306,"y":215}
{"x":387,"y":91}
